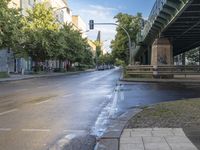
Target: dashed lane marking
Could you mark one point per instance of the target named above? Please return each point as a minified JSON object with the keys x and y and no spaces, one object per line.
{"x":36,"y":130}
{"x":67,"y":95}
{"x":75,"y":131}
{"x":42,"y":102}
{"x":42,"y":130}
{"x":43,"y":86}
{"x":7,"y":112}
{"x":5,"y":129}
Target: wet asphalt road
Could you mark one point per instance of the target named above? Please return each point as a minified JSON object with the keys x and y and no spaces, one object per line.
{"x":35,"y":113}
{"x":142,"y":94}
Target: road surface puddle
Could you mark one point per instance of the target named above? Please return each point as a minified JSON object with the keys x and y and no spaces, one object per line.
{"x":108,"y":112}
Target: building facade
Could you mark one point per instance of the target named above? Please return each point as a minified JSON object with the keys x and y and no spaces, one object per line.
{"x":93,"y":47}
{"x":79,"y":24}
{"x":8,"y":62}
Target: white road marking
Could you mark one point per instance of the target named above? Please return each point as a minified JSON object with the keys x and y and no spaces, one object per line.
{"x":5,"y":129}
{"x":43,"y":86}
{"x":122,"y":96}
{"x":67,"y":95}
{"x":9,"y":111}
{"x":36,"y":130}
{"x":75,"y":131}
{"x":121,"y":92}
{"x":42,"y":102}
{"x":21,"y":90}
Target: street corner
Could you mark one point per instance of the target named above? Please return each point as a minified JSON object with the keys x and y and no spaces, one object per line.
{"x":81,"y":141}
{"x":111,"y":137}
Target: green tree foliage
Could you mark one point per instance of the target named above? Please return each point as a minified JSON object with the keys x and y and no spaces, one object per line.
{"x":40,"y":30}
{"x":10,"y":26}
{"x":38,"y":35}
{"x":193,"y":55}
{"x":106,"y":59}
{"x":98,"y":45}
{"x":132,"y":24}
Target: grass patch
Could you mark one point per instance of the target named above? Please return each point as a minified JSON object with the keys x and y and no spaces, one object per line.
{"x":4,"y":75}
{"x":178,"y":114}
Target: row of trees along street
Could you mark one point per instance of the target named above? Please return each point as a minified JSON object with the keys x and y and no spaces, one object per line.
{"x":120,"y":49}
{"x":40,"y":36}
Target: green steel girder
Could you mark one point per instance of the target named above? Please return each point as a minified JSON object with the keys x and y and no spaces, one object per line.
{"x":175,"y":5}
{"x":152,"y":35}
{"x":168,"y":11}
{"x":166,"y":14}
{"x":161,"y":21}
{"x":158,"y":25}
{"x":165,"y":18}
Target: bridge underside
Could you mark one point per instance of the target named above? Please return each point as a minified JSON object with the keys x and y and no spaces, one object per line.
{"x":184,"y":31}
{"x":178,"y":21}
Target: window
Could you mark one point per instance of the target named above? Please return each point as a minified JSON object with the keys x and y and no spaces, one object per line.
{"x":31,"y":2}
{"x":62,"y":16}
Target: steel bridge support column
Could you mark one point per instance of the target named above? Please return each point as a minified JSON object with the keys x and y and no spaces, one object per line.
{"x":145,"y":58}
{"x":149,"y":54}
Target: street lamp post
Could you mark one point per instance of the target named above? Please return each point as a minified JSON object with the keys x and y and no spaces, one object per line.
{"x":128,"y":35}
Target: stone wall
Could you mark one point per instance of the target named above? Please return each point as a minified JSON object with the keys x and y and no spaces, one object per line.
{"x":162,"y":52}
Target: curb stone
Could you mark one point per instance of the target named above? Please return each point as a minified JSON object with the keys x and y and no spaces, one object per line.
{"x":110,"y":139}
{"x":82,"y":141}
{"x":160,"y":80}
{"x":42,"y":76}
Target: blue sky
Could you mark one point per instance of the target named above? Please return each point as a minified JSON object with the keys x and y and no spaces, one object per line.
{"x":105,"y":10}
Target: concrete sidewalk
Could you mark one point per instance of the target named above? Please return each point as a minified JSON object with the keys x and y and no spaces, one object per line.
{"x":15,"y":77}
{"x":155,"y":139}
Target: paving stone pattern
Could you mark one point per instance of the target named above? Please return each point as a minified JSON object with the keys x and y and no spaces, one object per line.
{"x":155,"y":139}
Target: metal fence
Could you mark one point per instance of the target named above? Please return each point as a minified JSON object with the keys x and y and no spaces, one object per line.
{"x":162,"y":70}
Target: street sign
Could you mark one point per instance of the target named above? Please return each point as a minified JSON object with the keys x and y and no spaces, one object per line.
{"x":91,"y":24}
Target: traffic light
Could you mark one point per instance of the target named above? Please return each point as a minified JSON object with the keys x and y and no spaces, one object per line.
{"x":91,"y":24}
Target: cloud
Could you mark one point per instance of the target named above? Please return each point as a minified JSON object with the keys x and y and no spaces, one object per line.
{"x":99,"y":14}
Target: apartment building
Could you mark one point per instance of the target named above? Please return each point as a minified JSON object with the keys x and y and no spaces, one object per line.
{"x":79,"y":24}
{"x":8,"y":62}
{"x":93,"y":47}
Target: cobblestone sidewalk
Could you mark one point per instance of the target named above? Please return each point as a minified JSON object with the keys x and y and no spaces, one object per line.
{"x":155,"y":139}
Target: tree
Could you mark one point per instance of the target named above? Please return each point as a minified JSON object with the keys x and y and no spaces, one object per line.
{"x":106,"y":59}
{"x":132,"y":24}
{"x":74,"y":48}
{"x":40,"y":30}
{"x":10,"y":26}
{"x":193,"y":55}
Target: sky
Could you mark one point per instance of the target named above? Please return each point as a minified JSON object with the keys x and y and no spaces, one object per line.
{"x":103,"y":11}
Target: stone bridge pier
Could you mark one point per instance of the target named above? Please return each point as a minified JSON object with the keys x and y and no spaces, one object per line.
{"x":162,"y":52}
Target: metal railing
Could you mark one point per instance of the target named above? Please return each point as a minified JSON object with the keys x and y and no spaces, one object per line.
{"x":163,"y":70}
